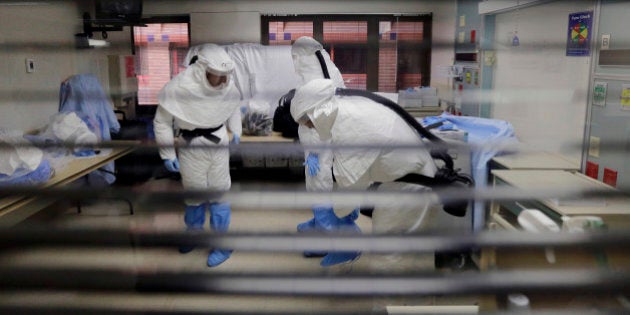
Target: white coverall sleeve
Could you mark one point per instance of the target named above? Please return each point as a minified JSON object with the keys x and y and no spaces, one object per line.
{"x":323,"y":181}
{"x":234,"y":123}
{"x":164,"y":134}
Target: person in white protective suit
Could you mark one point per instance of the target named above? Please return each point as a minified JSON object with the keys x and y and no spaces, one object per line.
{"x":356,"y":121}
{"x":311,"y":61}
{"x":199,"y":102}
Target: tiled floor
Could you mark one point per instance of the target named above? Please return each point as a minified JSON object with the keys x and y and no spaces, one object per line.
{"x":169,"y":216}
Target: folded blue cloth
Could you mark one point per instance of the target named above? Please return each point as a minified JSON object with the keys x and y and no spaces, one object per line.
{"x":38,"y":176}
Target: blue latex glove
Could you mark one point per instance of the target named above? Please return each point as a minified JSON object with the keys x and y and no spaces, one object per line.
{"x":236,"y":139}
{"x":87,"y":152}
{"x":172,"y":165}
{"x":429,"y":120}
{"x":312,"y":163}
{"x":446,"y":126}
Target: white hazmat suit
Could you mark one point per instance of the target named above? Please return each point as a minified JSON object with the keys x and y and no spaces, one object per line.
{"x":356,"y":121}
{"x":308,"y":67}
{"x":311,"y":61}
{"x":200,"y":110}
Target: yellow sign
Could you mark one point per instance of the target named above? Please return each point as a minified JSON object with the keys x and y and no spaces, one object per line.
{"x":625,"y":97}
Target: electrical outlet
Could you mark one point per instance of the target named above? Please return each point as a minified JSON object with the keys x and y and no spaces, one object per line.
{"x":30,"y":65}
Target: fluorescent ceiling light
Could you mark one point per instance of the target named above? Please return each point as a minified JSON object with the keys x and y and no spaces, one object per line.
{"x":97,"y":43}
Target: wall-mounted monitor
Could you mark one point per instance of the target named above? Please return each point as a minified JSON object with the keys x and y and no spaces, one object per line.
{"x":118,"y":10}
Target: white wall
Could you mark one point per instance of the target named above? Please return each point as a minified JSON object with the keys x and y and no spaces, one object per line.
{"x":44,"y":32}
{"x":537,"y":88}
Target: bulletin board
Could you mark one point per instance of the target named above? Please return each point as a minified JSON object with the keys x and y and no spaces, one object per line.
{"x":609,"y":106}
{"x":613,"y":21}
{"x":609,"y":137}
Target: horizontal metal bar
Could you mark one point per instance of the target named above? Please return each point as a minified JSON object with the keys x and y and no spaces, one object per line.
{"x":595,"y":282}
{"x":292,"y":198}
{"x":428,"y":242}
{"x":243,"y":147}
{"x":118,"y":310}
{"x":283,"y":148}
{"x":331,"y":310}
{"x":274,"y":147}
{"x":21,"y":46}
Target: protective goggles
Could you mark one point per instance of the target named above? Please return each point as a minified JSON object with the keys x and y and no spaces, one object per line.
{"x":219,"y":72}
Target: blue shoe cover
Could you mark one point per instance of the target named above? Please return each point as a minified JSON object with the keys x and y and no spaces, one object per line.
{"x":335,"y":258}
{"x":218,"y":256}
{"x":339,"y":258}
{"x":310,"y":225}
{"x":194,"y":217}
{"x":353,"y":216}
{"x":324,"y":220}
{"x":305,"y":227}
{"x":309,"y":254}
{"x":220,"y":214}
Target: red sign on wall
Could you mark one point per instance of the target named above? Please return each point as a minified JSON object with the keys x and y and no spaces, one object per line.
{"x":610,"y":177}
{"x":592,"y":169}
{"x":130,"y":70}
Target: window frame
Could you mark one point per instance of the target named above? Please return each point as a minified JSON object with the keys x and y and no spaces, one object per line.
{"x":373,"y":20}
{"x":149,"y":109}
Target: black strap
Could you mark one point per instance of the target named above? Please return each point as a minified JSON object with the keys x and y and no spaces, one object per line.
{"x":322,"y":63}
{"x":418,"y":179}
{"x":444,"y":178}
{"x":188,"y":135}
{"x":439,"y":153}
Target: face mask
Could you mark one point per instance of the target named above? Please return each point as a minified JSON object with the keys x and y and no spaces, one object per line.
{"x":221,"y":86}
{"x":218,"y":87}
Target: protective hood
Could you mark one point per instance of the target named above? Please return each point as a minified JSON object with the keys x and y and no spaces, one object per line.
{"x":190,"y":97}
{"x":192,"y":52}
{"x":316,"y":99}
{"x":215,"y":60}
{"x":307,"y":65}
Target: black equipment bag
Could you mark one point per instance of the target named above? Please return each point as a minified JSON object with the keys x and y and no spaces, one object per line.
{"x":141,"y":164}
{"x":282,"y":120}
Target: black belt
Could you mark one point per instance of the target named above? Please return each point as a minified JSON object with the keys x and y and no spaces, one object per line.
{"x":188,"y":135}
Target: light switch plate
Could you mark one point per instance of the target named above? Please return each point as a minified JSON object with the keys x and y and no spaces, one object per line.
{"x":605,"y":42}
{"x":30,"y":65}
{"x":593,"y":148}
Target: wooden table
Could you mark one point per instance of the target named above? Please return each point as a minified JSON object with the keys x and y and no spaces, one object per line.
{"x":534,"y":160}
{"x":274,"y":137}
{"x":14,"y":209}
{"x":615,"y":212}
